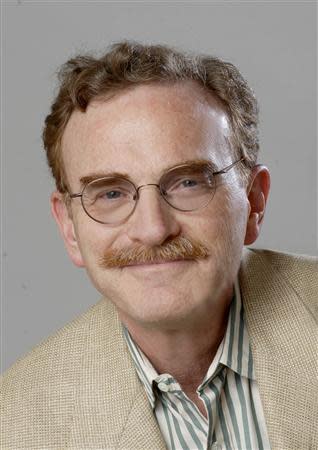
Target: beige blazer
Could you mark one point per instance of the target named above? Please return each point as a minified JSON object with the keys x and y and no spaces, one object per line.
{"x":79,"y":390}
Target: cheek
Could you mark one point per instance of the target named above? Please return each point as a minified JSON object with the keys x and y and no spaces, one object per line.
{"x":227,"y":234}
{"x":226,"y":223}
{"x":92,"y":241}
{"x":92,"y":246}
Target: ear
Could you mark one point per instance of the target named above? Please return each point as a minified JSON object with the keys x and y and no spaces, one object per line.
{"x":62,"y":214}
{"x":257,"y":192}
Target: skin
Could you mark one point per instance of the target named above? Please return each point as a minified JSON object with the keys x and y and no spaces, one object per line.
{"x":177,"y":313}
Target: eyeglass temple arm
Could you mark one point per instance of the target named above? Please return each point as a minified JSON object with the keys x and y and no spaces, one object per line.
{"x":75,"y":195}
{"x":226,"y":169}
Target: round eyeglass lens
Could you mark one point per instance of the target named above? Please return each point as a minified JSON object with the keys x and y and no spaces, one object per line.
{"x":109,"y":200}
{"x":188,"y":189}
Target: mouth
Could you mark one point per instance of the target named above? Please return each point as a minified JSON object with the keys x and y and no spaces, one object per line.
{"x":162,"y":268}
{"x":155,"y":263}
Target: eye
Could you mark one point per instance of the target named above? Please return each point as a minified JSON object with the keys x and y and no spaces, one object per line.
{"x":186,"y":183}
{"x":109,"y":195}
{"x":189,"y":183}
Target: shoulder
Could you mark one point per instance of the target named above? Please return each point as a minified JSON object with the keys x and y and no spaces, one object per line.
{"x":298,"y":271}
{"x":68,"y":340}
{"x":305,"y":266}
{"x":39,"y":390}
{"x":66,"y":344}
{"x":285,"y":262}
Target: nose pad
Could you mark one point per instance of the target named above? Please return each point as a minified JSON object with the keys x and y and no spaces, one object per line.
{"x":149,"y":184}
{"x":145,"y":185}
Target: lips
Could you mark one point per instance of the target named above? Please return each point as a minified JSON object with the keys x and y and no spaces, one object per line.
{"x":153,"y":262}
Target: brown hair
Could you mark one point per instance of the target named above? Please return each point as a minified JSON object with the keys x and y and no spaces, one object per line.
{"x":86,"y":78}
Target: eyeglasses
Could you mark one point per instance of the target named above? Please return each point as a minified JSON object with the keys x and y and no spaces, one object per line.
{"x":111,"y":200}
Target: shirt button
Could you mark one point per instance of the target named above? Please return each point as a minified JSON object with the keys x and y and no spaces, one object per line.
{"x":216,"y":446}
{"x":163,"y":387}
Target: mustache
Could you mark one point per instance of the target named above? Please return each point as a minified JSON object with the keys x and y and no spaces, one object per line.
{"x":178,"y":248}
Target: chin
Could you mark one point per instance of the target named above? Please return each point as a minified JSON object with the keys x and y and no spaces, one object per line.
{"x":167,"y":308}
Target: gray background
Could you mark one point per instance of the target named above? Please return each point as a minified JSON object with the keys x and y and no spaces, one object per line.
{"x":273,"y":44}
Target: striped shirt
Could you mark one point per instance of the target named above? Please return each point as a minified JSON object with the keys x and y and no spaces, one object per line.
{"x":229,"y":391}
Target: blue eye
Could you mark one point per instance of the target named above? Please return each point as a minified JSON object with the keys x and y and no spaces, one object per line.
{"x":112,"y":194}
{"x":189,"y":183}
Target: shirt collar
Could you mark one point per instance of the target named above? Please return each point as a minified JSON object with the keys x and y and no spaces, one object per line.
{"x":233,"y":352}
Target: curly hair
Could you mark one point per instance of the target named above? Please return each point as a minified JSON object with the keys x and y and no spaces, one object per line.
{"x":86,"y":78}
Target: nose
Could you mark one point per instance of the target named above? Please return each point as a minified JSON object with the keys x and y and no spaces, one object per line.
{"x":153,"y":220}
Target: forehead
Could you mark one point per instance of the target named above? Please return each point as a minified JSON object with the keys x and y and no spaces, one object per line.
{"x":145,"y":130}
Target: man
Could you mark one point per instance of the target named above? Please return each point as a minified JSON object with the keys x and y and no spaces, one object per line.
{"x":198,"y":342}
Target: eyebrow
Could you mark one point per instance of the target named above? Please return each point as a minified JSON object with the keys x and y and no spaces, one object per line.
{"x":191,"y":163}
{"x":96,"y":175}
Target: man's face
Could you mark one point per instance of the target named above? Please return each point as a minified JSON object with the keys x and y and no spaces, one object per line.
{"x":143,"y":132}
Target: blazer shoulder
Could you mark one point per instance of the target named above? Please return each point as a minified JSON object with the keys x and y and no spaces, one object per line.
{"x":39,"y":391}
{"x":50,"y":361}
{"x":284,"y":259}
{"x":300,"y":271}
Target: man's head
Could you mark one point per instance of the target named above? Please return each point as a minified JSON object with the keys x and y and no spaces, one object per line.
{"x":128,"y":64}
{"x":140,"y":111}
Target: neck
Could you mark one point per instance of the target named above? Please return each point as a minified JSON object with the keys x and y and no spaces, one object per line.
{"x":185,"y":353}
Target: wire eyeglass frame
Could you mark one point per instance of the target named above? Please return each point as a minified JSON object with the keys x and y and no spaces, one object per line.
{"x":136,"y":197}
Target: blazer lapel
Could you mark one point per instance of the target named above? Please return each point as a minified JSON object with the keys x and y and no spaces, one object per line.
{"x":141,"y":430}
{"x":111,"y":410}
{"x":281,"y":333}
